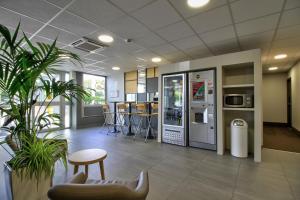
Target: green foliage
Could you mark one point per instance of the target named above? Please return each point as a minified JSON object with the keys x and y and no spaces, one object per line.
{"x":22,"y":65}
{"x":38,"y":156}
{"x":94,"y":97}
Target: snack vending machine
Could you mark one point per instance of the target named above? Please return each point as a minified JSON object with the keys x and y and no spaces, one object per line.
{"x":173,"y":113}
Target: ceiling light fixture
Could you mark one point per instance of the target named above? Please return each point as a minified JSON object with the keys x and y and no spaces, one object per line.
{"x":115,"y":68}
{"x":106,"y":38}
{"x":280,"y":56}
{"x":156,"y":59}
{"x":273,"y":68}
{"x":197,"y":3}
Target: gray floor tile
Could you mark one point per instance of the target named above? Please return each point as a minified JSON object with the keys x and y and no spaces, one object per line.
{"x":181,"y":173}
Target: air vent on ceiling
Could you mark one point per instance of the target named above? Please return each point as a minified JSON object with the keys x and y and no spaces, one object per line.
{"x":88,"y":45}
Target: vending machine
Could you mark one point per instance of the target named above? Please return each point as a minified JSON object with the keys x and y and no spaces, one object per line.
{"x":202,"y":112}
{"x":174,"y":107}
{"x":189,"y":114}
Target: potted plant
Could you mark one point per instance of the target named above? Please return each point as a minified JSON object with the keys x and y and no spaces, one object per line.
{"x":23,"y":68}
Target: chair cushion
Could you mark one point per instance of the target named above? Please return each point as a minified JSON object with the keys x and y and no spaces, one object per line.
{"x":129,"y":184}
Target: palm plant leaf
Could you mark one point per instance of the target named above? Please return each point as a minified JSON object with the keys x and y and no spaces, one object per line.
{"x":23,"y":65}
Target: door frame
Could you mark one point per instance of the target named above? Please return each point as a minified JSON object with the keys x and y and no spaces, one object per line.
{"x":289,"y":101}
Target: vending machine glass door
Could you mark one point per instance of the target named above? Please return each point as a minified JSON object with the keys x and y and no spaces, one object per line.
{"x":173,"y":100}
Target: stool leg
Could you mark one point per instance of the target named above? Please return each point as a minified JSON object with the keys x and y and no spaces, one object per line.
{"x":75,"y":169}
{"x":86,"y":170}
{"x":148,"y":128}
{"x":101,"y":164}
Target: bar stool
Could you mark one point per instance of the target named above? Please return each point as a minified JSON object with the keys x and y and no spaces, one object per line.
{"x":108,"y":117}
{"x":140,"y":109}
{"x":122,"y":115}
{"x":149,"y":117}
{"x":154,"y":113}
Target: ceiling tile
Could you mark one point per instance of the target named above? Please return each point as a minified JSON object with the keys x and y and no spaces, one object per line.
{"x":290,"y":17}
{"x":127,"y":27}
{"x":93,"y":67}
{"x":257,"y":25}
{"x":130,"y":5}
{"x":286,"y":43}
{"x":94,"y":56}
{"x":157,"y":15}
{"x":127,"y":47}
{"x":73,"y":23}
{"x":219,"y":34}
{"x":198,"y":52}
{"x":223,"y":47}
{"x":145,"y":54}
{"x":95,"y":34}
{"x":76,"y":51}
{"x":288,"y":32}
{"x":293,"y":53}
{"x":211,"y":20}
{"x":244,"y":9}
{"x":292,"y":4}
{"x":88,"y":61}
{"x":36,"y":39}
{"x":259,"y":40}
{"x":187,"y":11}
{"x":62,"y":36}
{"x":164,"y":49}
{"x":188,"y":42}
{"x":175,"y":31}
{"x":60,"y":3}
{"x":149,"y":40}
{"x":98,"y":12}
{"x":176,"y":56}
{"x":8,"y":18}
{"x":36,"y":9}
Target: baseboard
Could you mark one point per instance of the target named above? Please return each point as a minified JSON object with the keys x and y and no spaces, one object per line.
{"x":276,"y":124}
{"x":296,"y":130}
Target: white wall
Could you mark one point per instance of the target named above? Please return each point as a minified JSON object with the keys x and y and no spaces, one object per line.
{"x":275,"y":98}
{"x":294,"y":73}
{"x":115,"y":88}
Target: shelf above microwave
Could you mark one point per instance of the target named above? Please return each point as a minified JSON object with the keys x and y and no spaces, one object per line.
{"x":239,"y":109}
{"x":239,"y":86}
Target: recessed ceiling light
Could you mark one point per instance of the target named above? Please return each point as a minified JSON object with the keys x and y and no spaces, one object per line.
{"x":280,"y":56}
{"x":156,"y":59}
{"x":106,"y":38}
{"x":197,"y":3}
{"x":115,"y":68}
{"x":273,"y":68}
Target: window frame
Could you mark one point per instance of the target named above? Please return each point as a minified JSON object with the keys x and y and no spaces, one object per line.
{"x":105,"y":90}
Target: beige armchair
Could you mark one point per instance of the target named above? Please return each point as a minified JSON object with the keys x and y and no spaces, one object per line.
{"x":79,"y":188}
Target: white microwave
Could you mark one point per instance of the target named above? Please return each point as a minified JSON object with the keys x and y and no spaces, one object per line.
{"x":238,"y":100}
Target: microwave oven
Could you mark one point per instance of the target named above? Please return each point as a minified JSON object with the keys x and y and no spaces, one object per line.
{"x":238,"y":100}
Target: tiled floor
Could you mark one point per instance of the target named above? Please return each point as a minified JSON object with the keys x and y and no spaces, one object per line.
{"x":179,"y":173}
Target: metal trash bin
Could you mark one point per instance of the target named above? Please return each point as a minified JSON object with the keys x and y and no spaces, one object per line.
{"x":239,"y":138}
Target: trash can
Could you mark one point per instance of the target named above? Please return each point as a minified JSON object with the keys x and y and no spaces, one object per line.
{"x":239,"y":138}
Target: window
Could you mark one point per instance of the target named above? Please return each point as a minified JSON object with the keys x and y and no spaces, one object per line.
{"x":95,"y":86}
{"x":59,"y":105}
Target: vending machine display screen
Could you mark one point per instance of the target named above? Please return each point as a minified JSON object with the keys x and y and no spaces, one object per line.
{"x":198,"y":91}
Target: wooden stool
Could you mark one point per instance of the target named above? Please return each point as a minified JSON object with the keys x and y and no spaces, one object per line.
{"x":87,"y":157}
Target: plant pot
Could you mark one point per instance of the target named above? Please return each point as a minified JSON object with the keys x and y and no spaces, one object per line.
{"x":26,"y":188}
